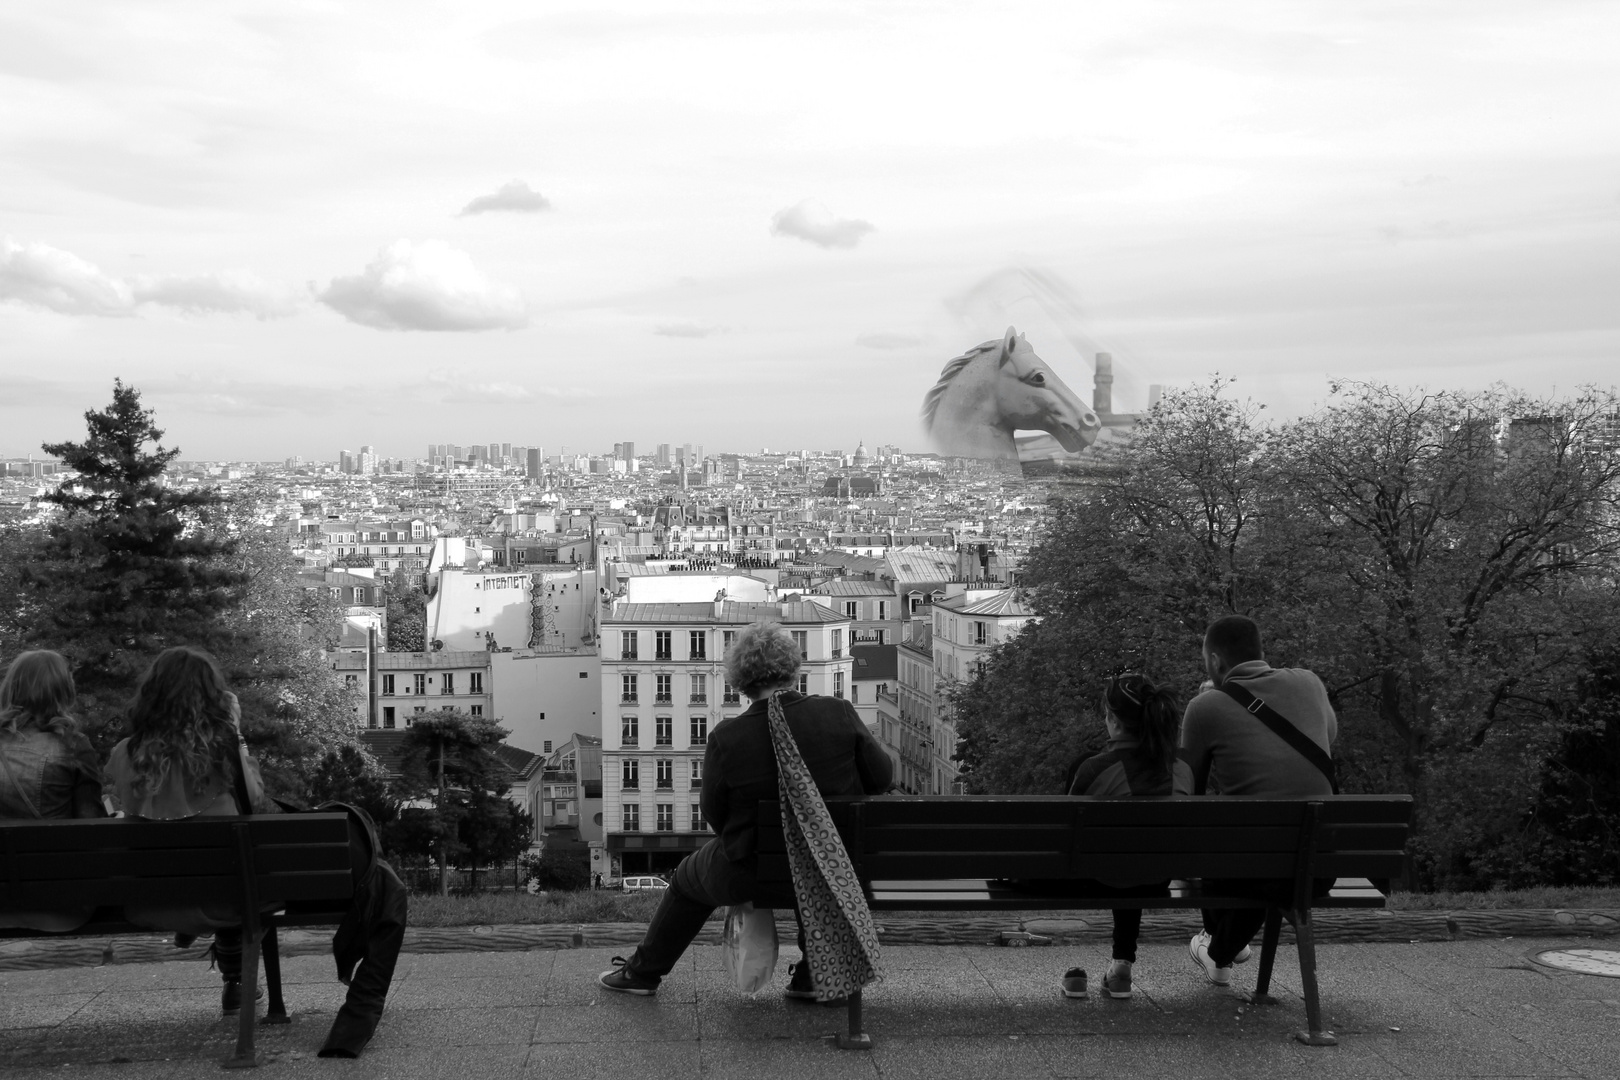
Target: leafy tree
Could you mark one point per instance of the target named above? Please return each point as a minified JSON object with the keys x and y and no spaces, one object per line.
{"x":560,"y":866}
{"x":407,"y":617}
{"x":449,"y":757}
{"x":350,"y":775}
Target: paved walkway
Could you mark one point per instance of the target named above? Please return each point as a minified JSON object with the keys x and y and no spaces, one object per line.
{"x":1463,"y":1008}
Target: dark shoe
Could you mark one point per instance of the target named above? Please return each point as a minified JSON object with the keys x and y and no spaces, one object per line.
{"x":1117,"y":983}
{"x":184,"y":941}
{"x":800,"y":987}
{"x":626,"y":981}
{"x":1074,"y":983}
{"x":230,"y":998}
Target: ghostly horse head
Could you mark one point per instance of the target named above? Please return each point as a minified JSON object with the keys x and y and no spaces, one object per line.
{"x":997,"y":388}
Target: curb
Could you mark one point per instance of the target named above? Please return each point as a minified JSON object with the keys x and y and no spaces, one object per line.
{"x":1335,"y":927}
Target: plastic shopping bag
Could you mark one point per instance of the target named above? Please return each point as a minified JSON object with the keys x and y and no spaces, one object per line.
{"x":748,"y":946}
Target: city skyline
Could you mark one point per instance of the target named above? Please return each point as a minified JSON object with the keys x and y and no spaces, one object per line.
{"x":298,"y":229}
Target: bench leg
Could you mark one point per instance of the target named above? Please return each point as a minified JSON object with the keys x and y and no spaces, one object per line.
{"x":246,"y":1057}
{"x":1268,"y":957}
{"x":1315,"y":1036}
{"x":855,"y":1039}
{"x":276,"y":1013}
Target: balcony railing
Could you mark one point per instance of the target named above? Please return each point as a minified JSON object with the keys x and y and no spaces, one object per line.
{"x":631,"y":655}
{"x":663,"y":656}
{"x":663,"y":699}
{"x":731,"y":699}
{"x":698,"y":699}
{"x":631,"y":785}
{"x":629,"y":743}
{"x":666,"y":785}
{"x":628,"y":699}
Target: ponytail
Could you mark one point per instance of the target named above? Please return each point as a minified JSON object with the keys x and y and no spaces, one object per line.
{"x":1150,"y":714}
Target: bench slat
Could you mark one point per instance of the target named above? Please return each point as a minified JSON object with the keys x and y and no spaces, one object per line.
{"x":131,"y":834}
{"x":181,"y":863}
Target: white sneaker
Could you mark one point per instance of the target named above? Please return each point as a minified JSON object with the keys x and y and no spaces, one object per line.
{"x":1198,"y":949}
{"x":1244,"y":955}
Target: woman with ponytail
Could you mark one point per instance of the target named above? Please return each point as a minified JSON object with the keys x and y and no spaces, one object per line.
{"x":835,"y":753}
{"x":1144,"y":728}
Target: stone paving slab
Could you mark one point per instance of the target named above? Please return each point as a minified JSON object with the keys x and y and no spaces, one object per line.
{"x":1465,"y":1008}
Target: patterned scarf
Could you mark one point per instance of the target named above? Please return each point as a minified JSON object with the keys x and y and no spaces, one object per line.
{"x":841,"y":944}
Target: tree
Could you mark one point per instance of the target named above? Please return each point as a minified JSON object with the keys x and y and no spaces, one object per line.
{"x":126,"y":568}
{"x":407,"y":617}
{"x":449,"y":756}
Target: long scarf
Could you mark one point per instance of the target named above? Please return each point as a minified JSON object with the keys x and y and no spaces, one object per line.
{"x":841,"y":944}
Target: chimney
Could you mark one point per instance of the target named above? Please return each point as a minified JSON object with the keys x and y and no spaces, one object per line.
{"x":1102,"y":391}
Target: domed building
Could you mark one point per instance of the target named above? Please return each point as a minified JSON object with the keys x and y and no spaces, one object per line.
{"x":862,"y":458}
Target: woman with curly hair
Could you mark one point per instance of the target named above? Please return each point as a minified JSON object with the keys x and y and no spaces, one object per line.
{"x":47,"y":767}
{"x":739,"y":772}
{"x":181,"y":760}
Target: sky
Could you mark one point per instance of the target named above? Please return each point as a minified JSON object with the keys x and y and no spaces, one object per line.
{"x":300,"y":227}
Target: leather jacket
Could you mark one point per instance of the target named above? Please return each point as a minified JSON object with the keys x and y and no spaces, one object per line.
{"x":48,"y":774}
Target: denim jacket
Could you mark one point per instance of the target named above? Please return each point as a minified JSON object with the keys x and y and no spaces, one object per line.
{"x":45,"y":774}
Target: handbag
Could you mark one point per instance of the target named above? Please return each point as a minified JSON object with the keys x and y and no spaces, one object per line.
{"x":748,"y":946}
{"x":1283,"y":729}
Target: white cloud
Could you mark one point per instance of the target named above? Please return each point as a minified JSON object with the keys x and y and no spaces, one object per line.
{"x":42,"y":276}
{"x":230,"y":292}
{"x":426,"y":286}
{"x":813,"y":222}
{"x":686,"y":330}
{"x":889,"y":341}
{"x":513,"y":195}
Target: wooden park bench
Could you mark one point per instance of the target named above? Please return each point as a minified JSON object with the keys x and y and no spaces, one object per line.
{"x":968,"y":853}
{"x":276,"y":869}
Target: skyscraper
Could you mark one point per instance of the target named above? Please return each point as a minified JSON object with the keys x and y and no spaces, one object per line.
{"x":533,"y":465}
{"x":629,"y":451}
{"x":506,"y":451}
{"x":663,"y":453}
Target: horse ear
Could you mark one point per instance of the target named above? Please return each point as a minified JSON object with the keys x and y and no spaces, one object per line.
{"x":1008,"y":342}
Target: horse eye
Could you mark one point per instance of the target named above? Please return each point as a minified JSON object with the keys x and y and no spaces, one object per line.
{"x":1037,"y":379}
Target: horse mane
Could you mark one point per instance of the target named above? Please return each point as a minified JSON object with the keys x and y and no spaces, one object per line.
{"x":952,"y":369}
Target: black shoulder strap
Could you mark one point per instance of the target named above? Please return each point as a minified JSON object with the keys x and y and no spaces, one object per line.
{"x":244,"y":803}
{"x":1284,"y":730}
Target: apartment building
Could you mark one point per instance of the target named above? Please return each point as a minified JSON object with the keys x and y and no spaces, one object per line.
{"x":409,"y":684}
{"x":663,"y":690}
{"x":966,"y":628}
{"x":390,"y":545}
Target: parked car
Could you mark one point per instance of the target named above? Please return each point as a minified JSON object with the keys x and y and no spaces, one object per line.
{"x":642,"y":882}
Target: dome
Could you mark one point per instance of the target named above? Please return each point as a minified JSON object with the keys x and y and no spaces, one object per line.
{"x":861,"y":456}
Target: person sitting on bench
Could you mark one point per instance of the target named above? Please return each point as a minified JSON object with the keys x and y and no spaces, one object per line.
{"x":739,"y":772}
{"x":47,"y":767}
{"x":182,"y":760}
{"x":1233,"y":752}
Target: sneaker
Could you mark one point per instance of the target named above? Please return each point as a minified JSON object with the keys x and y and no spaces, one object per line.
{"x":1074,"y":983}
{"x":800,"y":986}
{"x":1244,"y":955}
{"x":184,"y":941}
{"x":1198,"y":949}
{"x":626,"y":981}
{"x":230,"y":998}
{"x":1117,"y":983}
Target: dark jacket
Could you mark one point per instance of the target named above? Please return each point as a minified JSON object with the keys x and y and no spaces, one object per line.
{"x":739,"y":765}
{"x":1120,"y":770}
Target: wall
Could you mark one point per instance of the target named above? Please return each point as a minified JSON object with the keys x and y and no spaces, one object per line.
{"x":469,"y":606}
{"x":541,"y":697}
{"x":695,"y":588}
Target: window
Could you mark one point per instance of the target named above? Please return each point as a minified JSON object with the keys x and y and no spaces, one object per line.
{"x":855,"y":693}
{"x":475,"y":683}
{"x":882,"y":609}
{"x":630,"y":772}
{"x":837,"y":644}
{"x":661,"y":646}
{"x":838,"y":684}
{"x":388,"y":684}
{"x":476,"y":710}
{"x":727,"y":637}
{"x":627,"y":644}
{"x":419,"y":683}
{"x":916,"y":600}
{"x":728,"y":694}
{"x":802,"y":642}
{"x":632,"y":817}
{"x":449,"y":684}
{"x":700,"y":689}
{"x":979,"y":635}
{"x":697,"y":774}
{"x":419,"y":710}
{"x":547,"y":749}
{"x":664,"y":731}
{"x":698,"y":644}
{"x":804,"y":683}
{"x":698,"y":824}
{"x":351,"y":681}
{"x":388,"y":716}
{"x":664,"y":694}
{"x":666,"y":817}
{"x":666,"y":773}
{"x":880,"y":637}
{"x":700,"y":730}
{"x":627,"y":691}
{"x":629,"y":731}
{"x":852,"y":609}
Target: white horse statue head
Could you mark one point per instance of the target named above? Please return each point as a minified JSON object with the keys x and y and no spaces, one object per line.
{"x":997,"y":388}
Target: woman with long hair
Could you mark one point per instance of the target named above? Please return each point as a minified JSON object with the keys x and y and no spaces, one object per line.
{"x":47,"y":767}
{"x":181,"y":760}
{"x":1143,"y":720}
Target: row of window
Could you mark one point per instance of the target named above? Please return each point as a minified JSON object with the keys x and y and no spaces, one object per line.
{"x":663,"y":731}
{"x":852,"y":609}
{"x":389,"y":719}
{"x":664,"y":771}
{"x":447,"y":683}
{"x":664,"y":817}
{"x":664,"y":687}
{"x":697,"y":644}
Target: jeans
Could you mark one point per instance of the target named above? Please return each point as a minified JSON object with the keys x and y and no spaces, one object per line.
{"x":1230,"y":929}
{"x":705,"y":880}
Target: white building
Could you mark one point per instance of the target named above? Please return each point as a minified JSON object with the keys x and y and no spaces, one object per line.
{"x":663,"y":689}
{"x":966,"y":628}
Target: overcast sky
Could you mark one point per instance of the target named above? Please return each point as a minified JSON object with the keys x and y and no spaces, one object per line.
{"x":298,"y":227}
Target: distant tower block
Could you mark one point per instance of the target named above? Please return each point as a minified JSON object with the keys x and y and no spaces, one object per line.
{"x":1155,"y":394}
{"x":1102,"y":387}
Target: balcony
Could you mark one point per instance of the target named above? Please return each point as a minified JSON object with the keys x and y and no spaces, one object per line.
{"x":698,"y":699}
{"x":629,"y":743}
{"x":631,"y":785}
{"x":628,"y":699}
{"x":666,"y":785}
{"x":663,"y":699}
{"x":697,"y":784}
{"x":838,"y":654}
{"x":663,"y":657}
{"x":628,"y":655}
{"x":731,"y":699}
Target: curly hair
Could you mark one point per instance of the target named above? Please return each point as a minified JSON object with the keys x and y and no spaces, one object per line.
{"x":37,"y":692}
{"x":182,"y":715}
{"x":763,"y":656}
